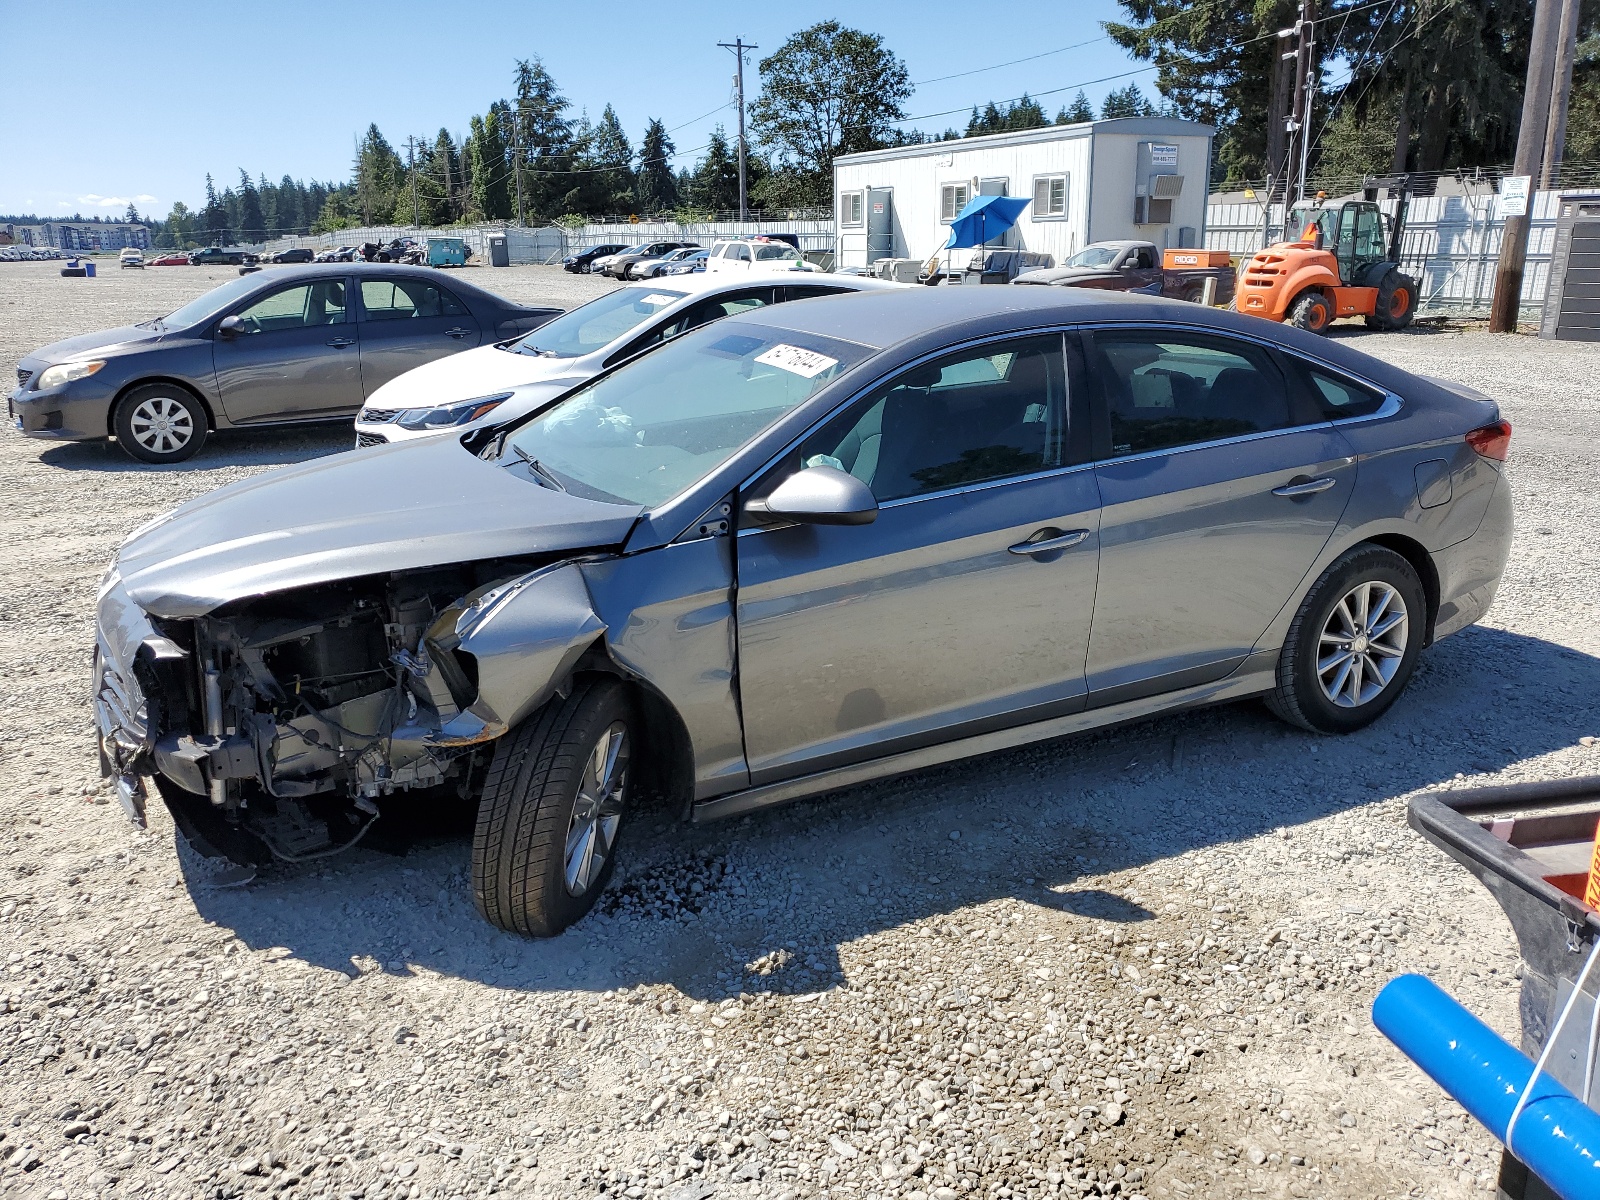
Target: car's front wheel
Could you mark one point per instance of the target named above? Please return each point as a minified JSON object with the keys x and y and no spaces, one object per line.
{"x":553,"y":803}
{"x":160,"y":423}
{"x":1354,"y":643}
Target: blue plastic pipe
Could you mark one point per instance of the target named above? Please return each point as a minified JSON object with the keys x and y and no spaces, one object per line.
{"x":1557,"y":1136}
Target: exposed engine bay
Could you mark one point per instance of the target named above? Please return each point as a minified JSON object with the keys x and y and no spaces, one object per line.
{"x":281,"y":721}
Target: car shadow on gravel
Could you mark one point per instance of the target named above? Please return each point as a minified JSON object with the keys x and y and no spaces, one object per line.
{"x":768,"y":901}
{"x":229,"y":448}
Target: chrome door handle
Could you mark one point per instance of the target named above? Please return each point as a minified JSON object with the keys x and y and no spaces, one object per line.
{"x":1310,"y":487}
{"x":1066,"y":540}
{"x":458,"y":333}
{"x":341,"y":343}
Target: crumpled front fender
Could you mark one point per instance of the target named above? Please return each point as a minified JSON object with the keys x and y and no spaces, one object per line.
{"x":525,"y":637}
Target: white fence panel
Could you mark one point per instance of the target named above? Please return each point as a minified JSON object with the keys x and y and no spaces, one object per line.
{"x":1450,"y":246}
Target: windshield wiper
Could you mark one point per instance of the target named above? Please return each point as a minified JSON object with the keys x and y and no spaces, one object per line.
{"x":537,"y":467}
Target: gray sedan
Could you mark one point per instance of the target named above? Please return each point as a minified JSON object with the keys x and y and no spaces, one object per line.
{"x":791,"y":551}
{"x":304,"y":344}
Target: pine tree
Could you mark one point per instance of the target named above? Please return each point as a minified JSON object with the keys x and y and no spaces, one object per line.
{"x":491,"y":193}
{"x":378,"y":171}
{"x":658,"y":187}
{"x":290,"y":218}
{"x":715,"y":183}
{"x":251,"y":225}
{"x":545,"y":136}
{"x":1126,"y":102}
{"x":1078,"y":112}
{"x":214,"y":220}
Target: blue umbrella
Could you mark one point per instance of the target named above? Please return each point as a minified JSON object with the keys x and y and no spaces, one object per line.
{"x":984,"y":218}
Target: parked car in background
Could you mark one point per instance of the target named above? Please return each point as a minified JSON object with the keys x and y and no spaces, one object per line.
{"x":583,"y":262}
{"x":649,"y":268}
{"x":755,"y":254}
{"x":296,"y":254}
{"x":499,"y":383}
{"x":617,"y":265}
{"x":1131,"y":266}
{"x":131,"y":256}
{"x":692,"y":263}
{"x":211,"y":256}
{"x":171,"y":258}
{"x":787,"y":553}
{"x":306,"y":343}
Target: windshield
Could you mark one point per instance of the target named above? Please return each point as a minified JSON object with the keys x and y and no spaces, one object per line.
{"x":597,"y":324}
{"x":767,"y":252}
{"x":643,"y":434}
{"x":212,"y":302}
{"x":1094,"y":256}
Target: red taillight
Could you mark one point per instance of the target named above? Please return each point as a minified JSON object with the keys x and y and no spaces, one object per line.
{"x":1492,"y":441}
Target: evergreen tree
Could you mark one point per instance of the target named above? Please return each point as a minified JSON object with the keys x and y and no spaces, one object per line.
{"x":378,"y":171}
{"x":1078,"y":112}
{"x":1024,"y":114}
{"x":1126,"y":102}
{"x":291,"y":217}
{"x":491,"y":192}
{"x":658,"y":186}
{"x":545,"y":136}
{"x":214,"y":220}
{"x":132,"y":216}
{"x":715,"y":183}
{"x":446,"y":167}
{"x":251,"y":225}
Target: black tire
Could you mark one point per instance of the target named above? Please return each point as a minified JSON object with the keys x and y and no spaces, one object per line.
{"x":1396,"y":304}
{"x":1301,"y":697}
{"x":1311,"y":312}
{"x":139,"y":429}
{"x":521,"y":875}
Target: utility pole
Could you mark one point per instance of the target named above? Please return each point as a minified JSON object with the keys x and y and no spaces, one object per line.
{"x":411,"y":169}
{"x":739,"y":46}
{"x":1555,"y":138}
{"x":1299,"y":125}
{"x":516,"y":170}
{"x":1530,"y":149}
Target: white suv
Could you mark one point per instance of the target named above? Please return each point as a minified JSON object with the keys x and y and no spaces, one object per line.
{"x":495,"y":384}
{"x":755,"y":254}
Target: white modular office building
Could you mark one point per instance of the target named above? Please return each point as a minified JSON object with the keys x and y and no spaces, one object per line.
{"x":1132,"y":177}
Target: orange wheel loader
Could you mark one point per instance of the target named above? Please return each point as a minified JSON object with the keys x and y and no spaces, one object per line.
{"x":1342,"y":266}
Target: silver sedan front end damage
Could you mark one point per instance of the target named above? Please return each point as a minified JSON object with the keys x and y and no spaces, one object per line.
{"x":280,"y":722}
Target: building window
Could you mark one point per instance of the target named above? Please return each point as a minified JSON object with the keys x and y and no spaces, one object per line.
{"x":850,"y":206}
{"x":1049,"y":196}
{"x":953,"y":197}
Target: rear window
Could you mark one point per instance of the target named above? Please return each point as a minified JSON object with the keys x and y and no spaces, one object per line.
{"x":1339,"y":397}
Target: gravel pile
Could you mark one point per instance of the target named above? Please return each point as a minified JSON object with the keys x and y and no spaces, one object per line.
{"x":1134,"y":963}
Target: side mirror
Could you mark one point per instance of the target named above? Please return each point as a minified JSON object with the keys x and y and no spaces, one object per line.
{"x":819,"y":496}
{"x":231,"y":327}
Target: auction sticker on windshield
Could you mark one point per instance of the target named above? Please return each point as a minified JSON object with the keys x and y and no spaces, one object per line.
{"x":807,"y":364}
{"x":658,"y":299}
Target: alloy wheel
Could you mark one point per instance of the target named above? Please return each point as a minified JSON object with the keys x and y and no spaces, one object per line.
{"x":597,"y":809}
{"x":1362,"y":644}
{"x":161,"y":425}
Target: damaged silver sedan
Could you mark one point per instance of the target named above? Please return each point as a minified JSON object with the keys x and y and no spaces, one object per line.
{"x":789,"y":552}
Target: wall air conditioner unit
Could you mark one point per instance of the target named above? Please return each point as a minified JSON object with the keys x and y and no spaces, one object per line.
{"x":1148,"y":210}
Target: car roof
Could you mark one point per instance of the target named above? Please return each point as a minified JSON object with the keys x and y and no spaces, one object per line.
{"x":921,"y":318}
{"x":700,"y":283}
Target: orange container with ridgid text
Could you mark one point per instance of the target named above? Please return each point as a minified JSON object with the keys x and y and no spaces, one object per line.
{"x":1591,"y":891}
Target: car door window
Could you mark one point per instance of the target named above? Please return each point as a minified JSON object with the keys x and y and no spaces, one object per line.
{"x":296,"y":307}
{"x":812,"y":290}
{"x":980,"y":415}
{"x":1339,"y":398}
{"x":1168,"y":389}
{"x":1145,"y":258}
{"x":404,"y":299}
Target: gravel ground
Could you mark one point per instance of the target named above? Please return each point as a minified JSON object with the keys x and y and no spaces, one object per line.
{"x":1135,"y":963}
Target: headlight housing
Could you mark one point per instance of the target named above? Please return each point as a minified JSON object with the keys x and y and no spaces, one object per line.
{"x":67,"y":372}
{"x":443,"y":416}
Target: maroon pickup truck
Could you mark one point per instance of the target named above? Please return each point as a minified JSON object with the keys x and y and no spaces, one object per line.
{"x":1137,"y":267}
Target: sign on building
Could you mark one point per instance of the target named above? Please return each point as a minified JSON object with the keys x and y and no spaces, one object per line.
{"x":1514,"y":195}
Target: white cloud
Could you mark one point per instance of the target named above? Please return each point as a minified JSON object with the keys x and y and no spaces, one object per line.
{"x":94,"y":201}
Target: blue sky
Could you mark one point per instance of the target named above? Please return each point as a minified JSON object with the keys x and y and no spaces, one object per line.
{"x":140,"y":103}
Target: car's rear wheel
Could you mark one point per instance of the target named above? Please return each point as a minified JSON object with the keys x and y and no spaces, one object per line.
{"x":1354,"y":643}
{"x":552,"y":807}
{"x":1311,"y":312}
{"x":160,"y":423}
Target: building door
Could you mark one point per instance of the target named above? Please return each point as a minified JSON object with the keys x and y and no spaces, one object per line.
{"x":880,"y":224}
{"x":999,"y":187}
